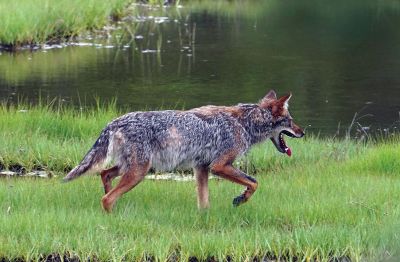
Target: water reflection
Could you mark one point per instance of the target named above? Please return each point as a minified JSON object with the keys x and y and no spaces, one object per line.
{"x":335,"y":58}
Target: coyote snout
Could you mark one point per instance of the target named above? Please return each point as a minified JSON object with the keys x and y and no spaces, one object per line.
{"x":286,"y":125}
{"x":207,"y":138}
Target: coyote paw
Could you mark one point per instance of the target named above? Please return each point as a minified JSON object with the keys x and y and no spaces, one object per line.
{"x":239,"y":200}
{"x":107,"y":205}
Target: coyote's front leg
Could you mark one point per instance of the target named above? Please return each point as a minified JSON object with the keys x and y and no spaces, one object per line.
{"x":226,"y":170}
{"x":202,"y":186}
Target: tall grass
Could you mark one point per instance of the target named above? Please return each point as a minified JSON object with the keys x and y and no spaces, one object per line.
{"x":332,"y":198}
{"x":308,"y":211}
{"x":32,"y":22}
{"x":50,"y":136}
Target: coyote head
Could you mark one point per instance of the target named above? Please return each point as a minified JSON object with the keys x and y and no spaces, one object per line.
{"x":282,"y":122}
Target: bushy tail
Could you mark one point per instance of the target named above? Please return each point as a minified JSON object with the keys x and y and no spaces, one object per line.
{"x":96,"y":155}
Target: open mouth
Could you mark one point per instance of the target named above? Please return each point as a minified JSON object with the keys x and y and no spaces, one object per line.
{"x":281,"y":144}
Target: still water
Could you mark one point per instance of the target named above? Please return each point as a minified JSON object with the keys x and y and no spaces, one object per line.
{"x":337,"y":58}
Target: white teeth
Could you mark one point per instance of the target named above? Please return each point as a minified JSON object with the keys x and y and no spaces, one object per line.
{"x":282,"y":142}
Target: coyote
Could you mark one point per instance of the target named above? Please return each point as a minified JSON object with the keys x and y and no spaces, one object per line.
{"x":207,"y":138}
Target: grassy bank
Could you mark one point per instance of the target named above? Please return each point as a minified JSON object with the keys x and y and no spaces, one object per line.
{"x":332,"y":198}
{"x":53,"y":136}
{"x":41,"y":21}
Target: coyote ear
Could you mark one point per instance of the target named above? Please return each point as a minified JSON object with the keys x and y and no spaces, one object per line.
{"x":271,"y":95}
{"x":267,"y":98}
{"x":284,"y":101}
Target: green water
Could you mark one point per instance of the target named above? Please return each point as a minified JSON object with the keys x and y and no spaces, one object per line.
{"x":335,"y":57}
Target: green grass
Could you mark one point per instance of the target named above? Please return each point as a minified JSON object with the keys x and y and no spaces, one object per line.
{"x":32,"y":22}
{"x":54,"y":136}
{"x":332,"y":198}
{"x":49,"y":136}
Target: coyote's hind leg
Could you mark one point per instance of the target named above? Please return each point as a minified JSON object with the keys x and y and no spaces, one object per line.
{"x":128,"y":181}
{"x":107,"y":176}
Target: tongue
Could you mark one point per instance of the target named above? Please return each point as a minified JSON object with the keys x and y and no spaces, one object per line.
{"x":288,"y":151}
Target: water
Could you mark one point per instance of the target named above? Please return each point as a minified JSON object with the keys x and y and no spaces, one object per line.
{"x":336,"y":58}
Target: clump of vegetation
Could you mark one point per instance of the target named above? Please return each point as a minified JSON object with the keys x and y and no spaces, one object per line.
{"x":51,"y":136}
{"x":27,"y":22}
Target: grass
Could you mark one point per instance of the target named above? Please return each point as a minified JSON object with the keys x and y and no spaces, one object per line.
{"x":32,"y":22}
{"x":332,"y":198}
{"x":46,"y":132}
{"x":26,"y":22}
{"x":53,"y":129}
